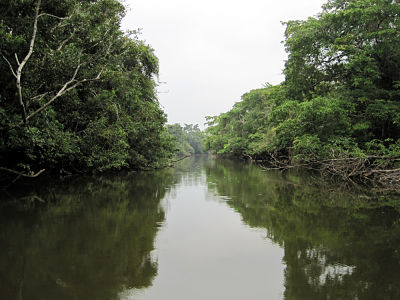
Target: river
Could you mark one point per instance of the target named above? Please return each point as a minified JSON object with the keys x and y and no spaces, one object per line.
{"x":205,"y":229}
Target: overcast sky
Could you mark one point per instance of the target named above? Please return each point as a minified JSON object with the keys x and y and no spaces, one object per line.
{"x":213,"y":51}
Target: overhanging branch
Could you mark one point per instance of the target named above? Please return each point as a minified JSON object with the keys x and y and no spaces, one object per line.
{"x":11,"y":68}
{"x":22,"y":174}
{"x":65,"y":89}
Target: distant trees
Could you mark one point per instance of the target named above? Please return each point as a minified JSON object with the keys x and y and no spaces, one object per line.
{"x":339,"y":106}
{"x":188,"y":139}
{"x":77,"y":93}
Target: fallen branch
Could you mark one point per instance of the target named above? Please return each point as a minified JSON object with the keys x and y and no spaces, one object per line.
{"x":182,"y":158}
{"x":383,"y":171}
{"x":22,"y":174}
{"x":373,"y":169}
{"x":171,"y":164}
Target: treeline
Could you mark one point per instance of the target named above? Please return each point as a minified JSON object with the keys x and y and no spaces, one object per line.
{"x":188,"y":139}
{"x":77,"y":93}
{"x":338,"y":108}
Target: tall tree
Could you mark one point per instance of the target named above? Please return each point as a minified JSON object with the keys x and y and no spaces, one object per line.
{"x":339,"y":103}
{"x":352,"y":48}
{"x":78,"y":93}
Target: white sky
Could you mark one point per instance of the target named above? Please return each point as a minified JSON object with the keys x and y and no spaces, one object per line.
{"x":213,"y":51}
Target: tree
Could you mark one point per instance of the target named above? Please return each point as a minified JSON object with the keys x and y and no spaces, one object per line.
{"x":78,"y":94}
{"x":339,"y":106}
{"x":65,"y":48}
{"x":194,"y":137}
{"x":353,"y":50}
{"x":188,"y":139}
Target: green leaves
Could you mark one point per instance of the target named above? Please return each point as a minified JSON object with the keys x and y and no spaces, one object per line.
{"x":353,"y":44}
{"x":108,"y":117}
{"x":340,"y":97}
{"x":187,"y":140}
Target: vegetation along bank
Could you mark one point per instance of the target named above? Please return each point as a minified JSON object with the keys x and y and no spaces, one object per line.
{"x":338,"y":109}
{"x":78,"y":94}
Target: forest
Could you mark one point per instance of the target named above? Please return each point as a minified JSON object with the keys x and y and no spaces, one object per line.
{"x":338,"y":109}
{"x":188,"y":139}
{"x":112,"y":208}
{"x":79,"y":94}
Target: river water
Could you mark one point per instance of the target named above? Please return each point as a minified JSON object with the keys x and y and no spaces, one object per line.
{"x":206,"y":229}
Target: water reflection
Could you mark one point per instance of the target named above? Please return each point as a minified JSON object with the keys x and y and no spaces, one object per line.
{"x":92,"y":237}
{"x":87,"y":238}
{"x":205,"y":251}
{"x":337,"y":245}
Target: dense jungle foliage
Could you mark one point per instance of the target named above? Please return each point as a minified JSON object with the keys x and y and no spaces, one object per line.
{"x":77,"y":93}
{"x":188,"y":139}
{"x":339,"y":104}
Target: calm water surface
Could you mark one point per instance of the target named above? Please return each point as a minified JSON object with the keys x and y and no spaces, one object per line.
{"x":207,"y":229}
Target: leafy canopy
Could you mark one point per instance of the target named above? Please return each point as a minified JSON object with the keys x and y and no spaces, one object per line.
{"x":340,"y":97}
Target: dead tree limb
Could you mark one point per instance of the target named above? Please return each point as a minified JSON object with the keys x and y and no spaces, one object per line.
{"x":22,"y":174}
{"x":373,"y":169}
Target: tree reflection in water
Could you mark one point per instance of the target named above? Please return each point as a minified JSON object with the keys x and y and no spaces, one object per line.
{"x":91,"y":237}
{"x":88,"y":238}
{"x":337,"y":243}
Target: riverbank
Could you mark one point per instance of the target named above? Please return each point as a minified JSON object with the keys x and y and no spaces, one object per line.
{"x":379,"y":172}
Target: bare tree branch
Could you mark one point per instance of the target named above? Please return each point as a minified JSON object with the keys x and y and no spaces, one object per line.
{"x":59,"y":93}
{"x":22,"y":64}
{"x":11,"y":68}
{"x":65,"y":89}
{"x":39,"y":97}
{"x":69,"y":85}
{"x":22,"y":174}
{"x":372,"y":169}
{"x":53,"y":16}
{"x":16,"y":58}
{"x":66,"y":41}
{"x":60,"y":24}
